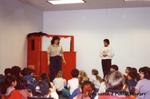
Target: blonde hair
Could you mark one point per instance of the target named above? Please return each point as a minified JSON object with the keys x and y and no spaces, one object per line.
{"x":96,"y":73}
{"x":59,"y":74}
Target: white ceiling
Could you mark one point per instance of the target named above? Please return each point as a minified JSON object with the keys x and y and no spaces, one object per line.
{"x":90,"y":4}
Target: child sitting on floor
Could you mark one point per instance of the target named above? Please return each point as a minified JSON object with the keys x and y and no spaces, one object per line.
{"x":60,"y":84}
{"x":73,"y":84}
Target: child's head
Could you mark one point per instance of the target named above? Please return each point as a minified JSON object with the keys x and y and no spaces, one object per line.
{"x":59,"y":74}
{"x":16,"y":71}
{"x":144,"y":73}
{"x":44,"y":76}
{"x":11,"y":81}
{"x":127,"y":70}
{"x":75,"y":73}
{"x":8,"y":72}
{"x":113,"y":68}
{"x":26,"y":71}
{"x":87,"y":88}
{"x":83,"y":74}
{"x":95,"y":72}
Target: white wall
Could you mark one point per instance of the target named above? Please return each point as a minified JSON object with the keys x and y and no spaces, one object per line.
{"x":127,"y":28}
{"x":16,"y":21}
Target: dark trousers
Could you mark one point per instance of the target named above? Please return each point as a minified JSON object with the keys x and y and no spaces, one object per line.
{"x":55,"y":66}
{"x":106,"y":64}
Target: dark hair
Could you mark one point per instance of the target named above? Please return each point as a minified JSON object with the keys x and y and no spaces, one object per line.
{"x":21,"y":84}
{"x":7,"y":71}
{"x":129,"y":68}
{"x":16,"y":70}
{"x":55,"y":38}
{"x":95,"y":72}
{"x":115,"y":67}
{"x":107,"y":41}
{"x":45,"y":79}
{"x":75,"y":73}
{"x":146,"y":71}
{"x":44,"y":76}
{"x":87,"y":87}
{"x":9,"y":80}
{"x":132,"y":75}
{"x":135,"y":74}
{"x":26,"y":71}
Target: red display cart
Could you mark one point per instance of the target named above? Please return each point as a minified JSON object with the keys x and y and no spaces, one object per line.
{"x":37,"y":58}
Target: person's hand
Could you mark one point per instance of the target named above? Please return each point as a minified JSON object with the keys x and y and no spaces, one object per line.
{"x":64,"y":61}
{"x":48,"y":62}
{"x":105,"y":55}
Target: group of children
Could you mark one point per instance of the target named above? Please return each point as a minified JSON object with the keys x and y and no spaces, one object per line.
{"x":80,"y":86}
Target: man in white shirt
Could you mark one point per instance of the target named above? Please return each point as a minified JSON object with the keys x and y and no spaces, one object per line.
{"x":106,"y":55}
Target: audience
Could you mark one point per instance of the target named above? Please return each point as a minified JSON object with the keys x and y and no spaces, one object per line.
{"x":78,"y":87}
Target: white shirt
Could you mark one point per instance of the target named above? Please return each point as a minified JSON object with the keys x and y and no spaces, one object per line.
{"x":55,"y":50}
{"x":73,"y":84}
{"x":60,"y":83}
{"x":95,"y":81}
{"x":53,"y":92}
{"x":106,"y":51}
{"x":102,"y":88}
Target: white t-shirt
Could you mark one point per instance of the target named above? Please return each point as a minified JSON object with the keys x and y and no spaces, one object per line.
{"x":55,"y":50}
{"x":53,"y":92}
{"x":107,"y":51}
{"x":59,"y":83}
{"x":95,"y":81}
{"x":102,"y":88}
{"x":73,"y":84}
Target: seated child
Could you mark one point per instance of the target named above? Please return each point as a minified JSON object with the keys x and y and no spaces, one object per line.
{"x":95,"y":79}
{"x":82,"y":77}
{"x":73,"y":84}
{"x":87,"y":89}
{"x":60,"y":84}
{"x":11,"y":83}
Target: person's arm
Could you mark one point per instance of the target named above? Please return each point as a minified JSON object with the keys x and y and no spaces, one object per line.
{"x":101,"y":53}
{"x":63,"y":58}
{"x":48,"y":55}
{"x":111,"y":52}
{"x":137,"y":87}
{"x":65,"y":82}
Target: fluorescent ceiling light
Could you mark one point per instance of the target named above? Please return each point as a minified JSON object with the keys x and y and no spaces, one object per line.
{"x":136,"y":0}
{"x":56,"y":2}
